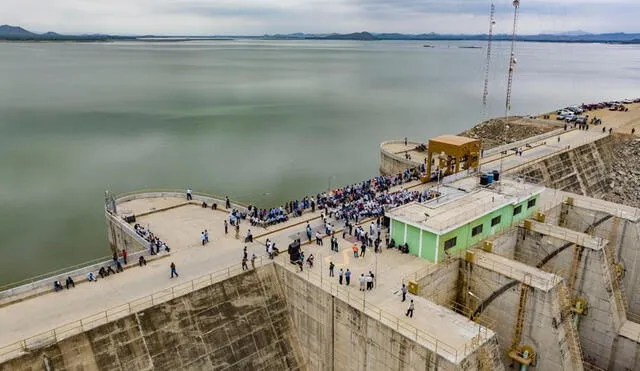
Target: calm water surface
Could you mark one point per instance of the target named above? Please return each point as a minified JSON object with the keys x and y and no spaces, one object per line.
{"x":261,"y":121}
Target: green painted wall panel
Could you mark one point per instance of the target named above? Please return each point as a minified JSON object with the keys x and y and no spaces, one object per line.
{"x":429,"y":246}
{"x":413,"y":239}
{"x":397,"y":232}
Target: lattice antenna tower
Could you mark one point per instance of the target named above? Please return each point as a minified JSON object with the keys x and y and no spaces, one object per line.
{"x":485,"y":95}
{"x":512,"y":65}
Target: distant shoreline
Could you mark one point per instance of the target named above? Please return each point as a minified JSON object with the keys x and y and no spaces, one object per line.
{"x":287,"y":38}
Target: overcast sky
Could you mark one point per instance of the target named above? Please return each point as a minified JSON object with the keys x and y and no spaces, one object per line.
{"x":257,"y":17}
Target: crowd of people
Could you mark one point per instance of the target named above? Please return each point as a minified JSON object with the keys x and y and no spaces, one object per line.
{"x":155,"y":244}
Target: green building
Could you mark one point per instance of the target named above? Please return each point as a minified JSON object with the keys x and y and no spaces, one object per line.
{"x":461,"y":217}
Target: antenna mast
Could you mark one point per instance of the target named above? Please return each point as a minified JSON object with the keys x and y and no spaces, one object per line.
{"x":512,"y":63}
{"x":492,"y":22}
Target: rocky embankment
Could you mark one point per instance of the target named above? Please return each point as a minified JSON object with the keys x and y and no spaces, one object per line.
{"x":493,"y":132}
{"x":625,"y":173}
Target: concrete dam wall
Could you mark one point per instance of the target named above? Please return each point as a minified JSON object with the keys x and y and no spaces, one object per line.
{"x":582,"y":170}
{"x":266,"y":319}
{"x":241,"y":323}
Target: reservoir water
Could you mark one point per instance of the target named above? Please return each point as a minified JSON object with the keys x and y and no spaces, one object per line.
{"x":260,"y":121}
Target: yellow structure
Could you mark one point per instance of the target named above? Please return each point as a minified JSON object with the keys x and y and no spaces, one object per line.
{"x":453,"y":151}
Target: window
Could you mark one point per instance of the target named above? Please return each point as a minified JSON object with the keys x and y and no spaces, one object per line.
{"x":449,"y":243}
{"x":531,"y":203}
{"x":476,"y":230}
{"x":517,"y":210}
{"x":496,"y":220}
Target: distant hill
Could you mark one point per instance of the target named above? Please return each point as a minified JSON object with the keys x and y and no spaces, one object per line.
{"x":14,"y":31}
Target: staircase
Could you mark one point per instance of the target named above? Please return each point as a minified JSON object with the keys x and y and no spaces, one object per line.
{"x":610,"y":276}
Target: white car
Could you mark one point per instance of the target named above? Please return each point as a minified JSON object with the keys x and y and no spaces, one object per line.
{"x":565,"y":112}
{"x":575,"y":109}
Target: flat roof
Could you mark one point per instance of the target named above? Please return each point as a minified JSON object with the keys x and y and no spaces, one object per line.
{"x":461,"y":202}
{"x":453,"y":139}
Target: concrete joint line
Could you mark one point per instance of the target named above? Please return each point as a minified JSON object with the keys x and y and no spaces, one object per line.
{"x":144,"y":341}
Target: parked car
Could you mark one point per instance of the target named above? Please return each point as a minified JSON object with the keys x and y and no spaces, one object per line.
{"x":564,"y":112}
{"x":574,"y":109}
{"x":570,"y":118}
{"x":581,"y":120}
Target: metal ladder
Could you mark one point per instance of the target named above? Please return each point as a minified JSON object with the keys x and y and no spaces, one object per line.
{"x":609,"y":253}
{"x":573,"y":341}
{"x":522,"y":306}
{"x":575,"y":264}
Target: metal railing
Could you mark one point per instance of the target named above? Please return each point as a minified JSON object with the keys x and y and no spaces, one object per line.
{"x":523,"y":276}
{"x":67,"y":330}
{"x":172,"y":192}
{"x":359,"y":301}
{"x":49,"y":275}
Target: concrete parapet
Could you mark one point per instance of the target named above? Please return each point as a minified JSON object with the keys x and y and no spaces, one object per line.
{"x":391,"y":163}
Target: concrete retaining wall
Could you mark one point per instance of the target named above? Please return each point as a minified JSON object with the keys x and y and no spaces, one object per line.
{"x":583,"y":170}
{"x":337,"y":336}
{"x":441,"y":285}
{"x":241,"y":323}
{"x":539,"y":331}
{"x":390,"y":163}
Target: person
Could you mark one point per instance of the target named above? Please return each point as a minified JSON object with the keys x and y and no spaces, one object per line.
{"x":70,"y":282}
{"x":91,"y":277}
{"x":249,"y":236}
{"x":370,"y":280}
{"x":610,"y":130}
{"x":237,"y":231}
{"x":57,"y":286}
{"x":363,"y":250}
{"x":189,"y":196}
{"x":347,"y":277}
{"x":206,"y":236}
{"x":245,"y":253}
{"x":102,"y":272}
{"x":173,"y":270}
{"x":142,"y":261}
{"x":405,"y":141}
{"x":124,"y":256}
{"x":310,"y":260}
{"x":253,"y":261}
{"x":244,"y":264}
{"x":309,"y":232}
{"x":340,"y":274}
{"x":115,"y":257}
{"x":227,"y":202}
{"x":404,"y":292}
{"x":410,"y":310}
{"x":354,"y":248}
{"x":363,"y":281}
{"x":202,"y":237}
{"x":331,"y":266}
{"x":119,"y":267}
{"x":110,"y":270}
{"x":318,"y":238}
{"x":226,"y":227}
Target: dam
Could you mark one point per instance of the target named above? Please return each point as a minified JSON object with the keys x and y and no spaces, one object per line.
{"x":549,"y":286}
